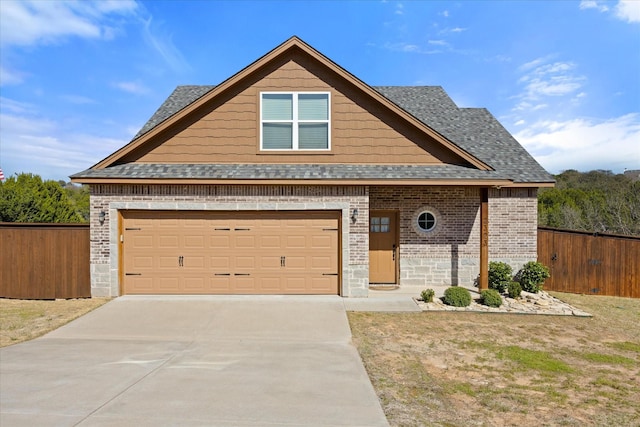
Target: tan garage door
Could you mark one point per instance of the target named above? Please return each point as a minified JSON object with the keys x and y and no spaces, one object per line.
{"x":230,"y":253}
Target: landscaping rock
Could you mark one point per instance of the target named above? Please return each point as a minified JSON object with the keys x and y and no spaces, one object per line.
{"x":528,"y":303}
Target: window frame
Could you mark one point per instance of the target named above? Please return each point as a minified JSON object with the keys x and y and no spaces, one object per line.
{"x":295,"y":122}
{"x":435,"y":220}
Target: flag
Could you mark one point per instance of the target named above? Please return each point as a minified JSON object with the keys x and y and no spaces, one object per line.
{"x":1,"y":175}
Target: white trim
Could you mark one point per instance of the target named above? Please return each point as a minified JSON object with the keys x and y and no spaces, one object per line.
{"x":295,"y":122}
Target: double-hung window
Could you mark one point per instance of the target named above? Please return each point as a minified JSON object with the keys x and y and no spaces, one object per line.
{"x":295,"y":121}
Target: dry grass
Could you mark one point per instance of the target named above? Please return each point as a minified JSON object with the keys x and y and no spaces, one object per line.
{"x":22,"y":320}
{"x":466,"y":369}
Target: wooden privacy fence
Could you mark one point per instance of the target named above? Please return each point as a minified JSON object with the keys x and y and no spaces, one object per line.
{"x":44,"y":261}
{"x":586,"y":263}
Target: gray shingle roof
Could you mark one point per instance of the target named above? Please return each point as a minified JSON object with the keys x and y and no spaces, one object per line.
{"x":180,"y":98}
{"x":475,"y":130}
{"x":290,"y":171}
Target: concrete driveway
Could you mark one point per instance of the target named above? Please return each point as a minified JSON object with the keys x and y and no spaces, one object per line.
{"x":193,"y":361}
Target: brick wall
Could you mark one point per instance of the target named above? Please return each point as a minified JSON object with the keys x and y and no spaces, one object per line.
{"x":111,"y":198}
{"x":449,"y":255}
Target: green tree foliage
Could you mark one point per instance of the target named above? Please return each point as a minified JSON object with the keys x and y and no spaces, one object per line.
{"x":596,"y":201}
{"x":27,"y":198}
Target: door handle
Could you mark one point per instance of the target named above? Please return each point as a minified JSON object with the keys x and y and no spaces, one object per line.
{"x":180,"y":261}
{"x":394,"y":252}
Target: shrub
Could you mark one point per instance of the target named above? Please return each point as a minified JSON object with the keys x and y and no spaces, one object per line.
{"x":491,"y":298}
{"x":514,"y":289}
{"x":457,"y":297}
{"x":532,"y":276}
{"x":500,"y":274}
{"x":427,"y":295}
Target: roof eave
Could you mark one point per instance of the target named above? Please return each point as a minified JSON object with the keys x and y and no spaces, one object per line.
{"x":284,"y":181}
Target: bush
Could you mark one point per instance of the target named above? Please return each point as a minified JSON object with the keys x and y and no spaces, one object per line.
{"x":457,"y":297}
{"x":427,"y":295}
{"x":514,"y":290}
{"x":500,"y":274}
{"x":532,"y":276}
{"x":490,"y":298}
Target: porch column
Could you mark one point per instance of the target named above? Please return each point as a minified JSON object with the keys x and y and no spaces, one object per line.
{"x":484,"y":239}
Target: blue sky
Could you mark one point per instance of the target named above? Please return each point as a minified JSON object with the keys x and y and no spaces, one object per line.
{"x":79,"y":79}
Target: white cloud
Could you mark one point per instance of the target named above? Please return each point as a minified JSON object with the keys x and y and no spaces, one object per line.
{"x":162,"y":42}
{"x":543,"y":80}
{"x":625,"y":10}
{"x":410,"y":48}
{"x":10,"y":77}
{"x":131,"y":87}
{"x":628,"y":10}
{"x":592,"y":4}
{"x":33,"y":22}
{"x":33,"y":144}
{"x":584,"y":144}
{"x":14,"y":106}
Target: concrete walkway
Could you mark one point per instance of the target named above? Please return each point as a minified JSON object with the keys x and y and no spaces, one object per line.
{"x":193,"y":361}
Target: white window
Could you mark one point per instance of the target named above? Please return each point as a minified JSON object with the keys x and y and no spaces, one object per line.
{"x":295,"y":121}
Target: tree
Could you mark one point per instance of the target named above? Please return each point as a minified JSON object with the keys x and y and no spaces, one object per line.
{"x":27,"y":198}
{"x":596,"y":201}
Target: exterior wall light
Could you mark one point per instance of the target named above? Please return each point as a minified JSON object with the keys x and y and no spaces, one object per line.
{"x":354,"y":215}
{"x":101,"y":217}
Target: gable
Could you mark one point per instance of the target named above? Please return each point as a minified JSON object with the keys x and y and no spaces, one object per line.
{"x":228,"y":129}
{"x":390,"y":133}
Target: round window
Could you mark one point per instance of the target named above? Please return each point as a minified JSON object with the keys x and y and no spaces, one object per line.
{"x":426,"y":221}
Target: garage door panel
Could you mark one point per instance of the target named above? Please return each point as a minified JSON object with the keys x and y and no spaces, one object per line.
{"x":194,"y":242}
{"x":194,"y":283}
{"x":220,"y":262}
{"x":245,"y":242}
{"x":220,"y":284}
{"x":297,"y":242}
{"x":245,"y":262}
{"x":324,"y":284}
{"x":270,"y":242}
{"x":231,"y":252}
{"x":220,"y":241}
{"x":322,"y":241}
{"x":168,"y":262}
{"x":141,"y":261}
{"x":169,"y":284}
{"x":295,"y":283}
{"x":141,"y":284}
{"x":168,"y":241}
{"x":325,"y":263}
{"x":193,"y":262}
{"x":142,"y":242}
{"x":269,"y":264}
{"x":294,"y":262}
{"x":245,"y":284}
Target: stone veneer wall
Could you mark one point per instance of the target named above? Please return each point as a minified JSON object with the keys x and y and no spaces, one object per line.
{"x":112,"y":198}
{"x":449,"y":255}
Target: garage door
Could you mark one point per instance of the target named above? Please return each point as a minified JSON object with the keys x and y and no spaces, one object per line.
{"x":230,"y":253}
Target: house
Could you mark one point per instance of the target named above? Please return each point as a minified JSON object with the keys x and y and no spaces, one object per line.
{"x":295,"y":177}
